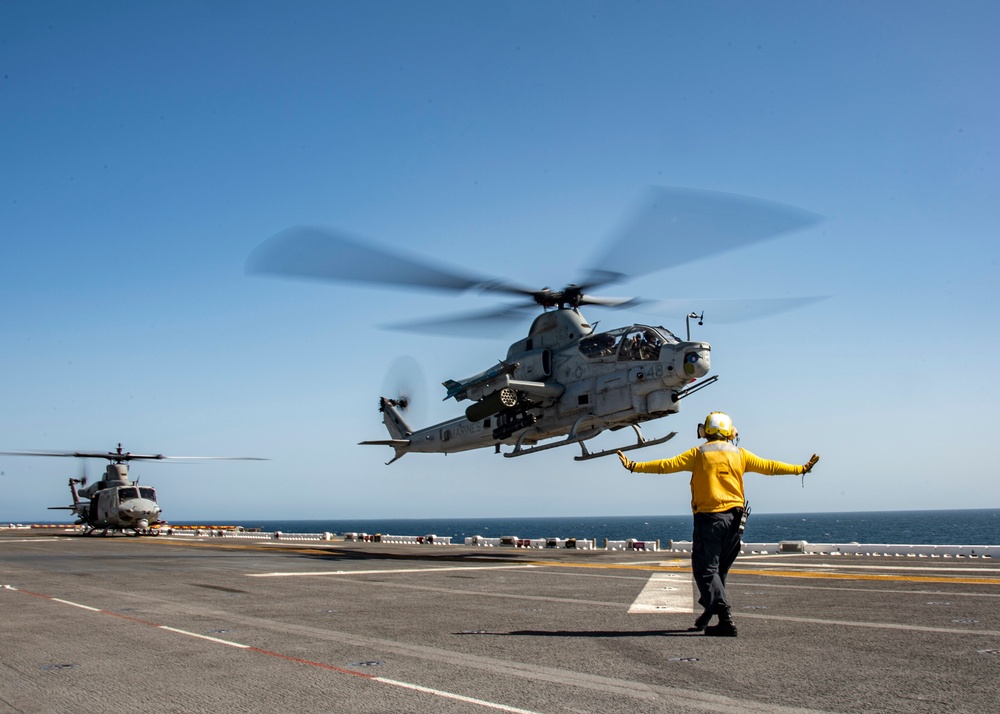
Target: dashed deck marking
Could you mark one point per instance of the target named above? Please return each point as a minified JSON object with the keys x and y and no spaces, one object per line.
{"x":451,"y":695}
{"x":204,"y":637}
{"x":298,"y":660}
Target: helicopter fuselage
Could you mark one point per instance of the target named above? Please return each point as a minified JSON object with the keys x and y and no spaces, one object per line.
{"x":563,"y":380}
{"x":115,"y":502}
{"x":123,"y":506}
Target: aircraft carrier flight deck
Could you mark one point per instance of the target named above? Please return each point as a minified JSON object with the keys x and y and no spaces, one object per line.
{"x":174,"y":624}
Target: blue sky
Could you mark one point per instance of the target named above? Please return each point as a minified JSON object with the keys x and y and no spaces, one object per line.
{"x":147,"y":148}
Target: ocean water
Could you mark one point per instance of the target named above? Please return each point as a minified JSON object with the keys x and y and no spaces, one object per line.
{"x":957,"y":527}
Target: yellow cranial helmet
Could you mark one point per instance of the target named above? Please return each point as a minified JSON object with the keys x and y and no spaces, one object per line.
{"x":717,"y":424}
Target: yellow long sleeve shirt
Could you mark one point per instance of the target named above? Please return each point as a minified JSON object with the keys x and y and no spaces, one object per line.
{"x":717,"y":470}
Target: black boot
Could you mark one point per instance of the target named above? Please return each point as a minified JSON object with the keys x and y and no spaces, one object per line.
{"x":703,"y":619}
{"x":726,"y":626}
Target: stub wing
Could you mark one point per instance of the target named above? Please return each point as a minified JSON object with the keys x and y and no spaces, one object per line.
{"x":459,"y":389}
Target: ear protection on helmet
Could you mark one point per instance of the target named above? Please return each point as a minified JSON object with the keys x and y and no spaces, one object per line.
{"x":717,"y":423}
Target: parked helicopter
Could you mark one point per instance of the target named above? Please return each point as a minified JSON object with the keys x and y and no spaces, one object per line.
{"x":115,"y":504}
{"x":564,"y":383}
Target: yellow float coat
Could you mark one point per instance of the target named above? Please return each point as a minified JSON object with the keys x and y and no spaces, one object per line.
{"x":717,"y":470}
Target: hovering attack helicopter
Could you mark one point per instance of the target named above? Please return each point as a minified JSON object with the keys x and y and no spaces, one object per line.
{"x":115,"y":503}
{"x":564,"y":383}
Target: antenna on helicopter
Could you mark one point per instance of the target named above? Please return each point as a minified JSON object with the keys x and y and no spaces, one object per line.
{"x":698,"y":317}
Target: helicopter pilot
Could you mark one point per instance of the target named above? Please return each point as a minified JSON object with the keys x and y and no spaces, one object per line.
{"x":720,"y":509}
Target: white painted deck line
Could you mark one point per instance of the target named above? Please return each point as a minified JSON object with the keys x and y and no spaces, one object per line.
{"x":665,"y":593}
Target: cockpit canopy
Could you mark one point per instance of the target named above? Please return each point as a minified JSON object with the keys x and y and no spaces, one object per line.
{"x":129,"y":493}
{"x":640,"y":343}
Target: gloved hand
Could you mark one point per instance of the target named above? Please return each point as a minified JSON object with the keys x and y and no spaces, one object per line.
{"x":809,"y":466}
{"x":627,"y":462}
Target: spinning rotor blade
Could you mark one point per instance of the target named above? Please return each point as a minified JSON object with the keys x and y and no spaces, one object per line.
{"x":569,"y":296}
{"x":488,"y":323}
{"x":484,"y":324}
{"x":674,"y":226}
{"x":610,"y":301}
{"x":81,"y":454}
{"x":403,"y":380}
{"x":406,"y":386}
{"x":323,"y":254}
{"x":126,"y":456}
{"x":210,"y":458}
{"x":728,"y":311}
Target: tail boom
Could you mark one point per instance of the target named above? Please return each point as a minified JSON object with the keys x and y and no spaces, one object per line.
{"x":444,"y":438}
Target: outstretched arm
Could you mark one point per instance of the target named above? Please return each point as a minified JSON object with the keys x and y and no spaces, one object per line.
{"x":755,"y":464}
{"x":682,"y":462}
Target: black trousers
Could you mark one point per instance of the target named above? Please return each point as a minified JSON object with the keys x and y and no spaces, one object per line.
{"x":715,"y":545}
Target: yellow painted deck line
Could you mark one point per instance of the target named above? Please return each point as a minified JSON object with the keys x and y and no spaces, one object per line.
{"x":887,"y":577}
{"x":292,"y":547}
{"x":789,"y":573}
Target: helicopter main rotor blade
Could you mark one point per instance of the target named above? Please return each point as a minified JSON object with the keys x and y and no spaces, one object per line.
{"x":483,"y":323}
{"x":114,"y":456}
{"x":673,"y":226}
{"x":324,"y":254}
{"x":725,"y":311}
{"x":621,"y":302}
{"x":212,"y":458}
{"x":74,"y":454}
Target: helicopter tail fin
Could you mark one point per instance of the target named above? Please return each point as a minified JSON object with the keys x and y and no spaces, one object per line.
{"x":393,"y":419}
{"x":398,"y":429}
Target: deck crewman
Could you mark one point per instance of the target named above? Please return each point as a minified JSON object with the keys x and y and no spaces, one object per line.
{"x":720,"y":509}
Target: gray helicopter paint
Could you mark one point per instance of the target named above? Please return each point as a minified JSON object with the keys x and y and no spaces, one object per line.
{"x":606,"y":389}
{"x":115,"y":503}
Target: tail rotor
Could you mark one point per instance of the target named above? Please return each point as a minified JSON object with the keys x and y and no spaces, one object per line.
{"x":406,"y":388}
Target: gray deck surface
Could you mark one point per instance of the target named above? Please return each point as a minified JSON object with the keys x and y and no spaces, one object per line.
{"x":211,"y":625}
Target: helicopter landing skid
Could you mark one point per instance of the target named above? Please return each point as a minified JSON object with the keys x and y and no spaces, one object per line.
{"x":111,"y":531}
{"x":642,"y":443}
{"x":573,"y":438}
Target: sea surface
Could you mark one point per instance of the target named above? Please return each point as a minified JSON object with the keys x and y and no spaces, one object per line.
{"x":958,"y":527}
